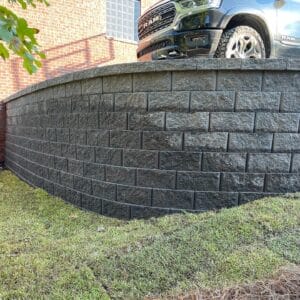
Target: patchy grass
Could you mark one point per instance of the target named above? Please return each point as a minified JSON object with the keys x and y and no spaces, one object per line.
{"x":50,"y":249}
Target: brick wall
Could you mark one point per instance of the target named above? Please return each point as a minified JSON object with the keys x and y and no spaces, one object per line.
{"x":147,"y":3}
{"x":72,"y":34}
{"x":153,"y":138}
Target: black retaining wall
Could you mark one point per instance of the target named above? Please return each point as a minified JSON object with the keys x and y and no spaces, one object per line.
{"x":2,"y":133}
{"x":145,"y":139}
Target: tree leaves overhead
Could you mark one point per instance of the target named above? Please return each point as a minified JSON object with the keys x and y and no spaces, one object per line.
{"x":17,"y":37}
{"x":25,"y":3}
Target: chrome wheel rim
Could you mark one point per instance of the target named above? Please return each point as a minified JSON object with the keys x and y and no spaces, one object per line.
{"x":244,"y":46}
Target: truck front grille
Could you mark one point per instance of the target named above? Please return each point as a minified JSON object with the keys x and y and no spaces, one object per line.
{"x":156,"y":19}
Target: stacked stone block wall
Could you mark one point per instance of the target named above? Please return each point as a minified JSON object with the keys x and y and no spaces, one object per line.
{"x":147,"y":139}
{"x":2,"y":132}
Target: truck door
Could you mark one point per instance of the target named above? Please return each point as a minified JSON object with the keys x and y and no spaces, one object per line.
{"x":288,"y":28}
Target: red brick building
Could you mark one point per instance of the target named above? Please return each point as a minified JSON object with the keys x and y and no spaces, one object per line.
{"x":76,"y":35}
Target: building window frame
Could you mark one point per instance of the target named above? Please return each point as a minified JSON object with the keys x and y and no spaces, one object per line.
{"x":122,"y":19}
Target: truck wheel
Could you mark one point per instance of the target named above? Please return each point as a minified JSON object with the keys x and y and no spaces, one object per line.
{"x":241,"y":42}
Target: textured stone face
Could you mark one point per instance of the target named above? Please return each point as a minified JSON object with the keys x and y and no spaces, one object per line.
{"x":152,"y":82}
{"x":224,"y":162}
{"x":194,"y":81}
{"x":250,"y":142}
{"x":186,"y":161}
{"x":187,"y":121}
{"x":169,"y":101}
{"x":290,"y":102}
{"x":212,"y":101}
{"x":258,"y":101}
{"x":277,"y":122}
{"x":212,"y":141}
{"x":269,"y":162}
{"x":162,"y":140}
{"x":144,"y":140}
{"x":232,"y":122}
{"x":242,"y":81}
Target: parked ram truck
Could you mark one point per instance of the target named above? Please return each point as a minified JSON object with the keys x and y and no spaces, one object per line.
{"x":220,"y":28}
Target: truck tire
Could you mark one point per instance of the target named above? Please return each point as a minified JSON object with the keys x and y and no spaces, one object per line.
{"x":241,"y":42}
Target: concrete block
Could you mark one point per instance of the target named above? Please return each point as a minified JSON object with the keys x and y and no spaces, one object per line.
{"x":75,"y":167}
{"x":113,"y":120}
{"x":108,"y":156}
{"x":250,"y":142}
{"x":198,"y":181}
{"x":140,"y":159}
{"x":91,"y":86}
{"x":290,"y":102}
{"x":148,"y":121}
{"x":212,"y":101}
{"x":104,"y":190}
{"x":194,"y":81}
{"x":98,"y":138}
{"x":283,"y":183}
{"x":131,"y":102}
{"x":120,"y":175}
{"x":286,"y":142}
{"x":239,"y":81}
{"x":296,"y":163}
{"x":187,"y":121}
{"x":169,"y":101}
{"x":258,"y":101}
{"x":80,"y":104}
{"x":211,"y":141}
{"x":115,"y":209}
{"x":232,"y":122}
{"x":117,"y":83}
{"x":94,"y":171}
{"x":269,"y":162}
{"x":134,"y":195}
{"x":83,"y":184}
{"x":89,"y":120}
{"x":215,"y":200}
{"x":277,"y":122}
{"x":173,"y":199}
{"x":156,"y":178}
{"x":152,"y":82}
{"x":125,"y":139}
{"x":91,"y":203}
{"x":162,"y":141}
{"x":281,"y":81}
{"x":224,"y":162}
{"x":85,"y":153}
{"x":185,"y":161}
{"x":242,"y":182}
{"x":78,"y":136}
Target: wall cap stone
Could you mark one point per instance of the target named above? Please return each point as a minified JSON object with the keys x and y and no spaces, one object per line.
{"x":192,"y":64}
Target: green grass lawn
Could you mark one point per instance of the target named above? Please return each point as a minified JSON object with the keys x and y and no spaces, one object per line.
{"x":52,"y":250}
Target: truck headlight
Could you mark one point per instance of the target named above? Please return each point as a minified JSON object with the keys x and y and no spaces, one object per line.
{"x":200,"y":3}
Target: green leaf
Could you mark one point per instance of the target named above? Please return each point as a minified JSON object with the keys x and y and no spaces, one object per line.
{"x":19,"y":38}
{"x":5,"y":34}
{"x":41,"y":55}
{"x":3,"y":52}
{"x":38,"y":63}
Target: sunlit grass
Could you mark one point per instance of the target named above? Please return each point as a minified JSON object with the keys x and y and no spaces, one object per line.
{"x":52,"y":250}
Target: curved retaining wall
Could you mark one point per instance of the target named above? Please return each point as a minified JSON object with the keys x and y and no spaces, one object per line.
{"x":2,"y":133}
{"x":147,"y":139}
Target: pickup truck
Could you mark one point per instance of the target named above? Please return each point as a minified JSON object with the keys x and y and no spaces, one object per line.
{"x":220,"y":28}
